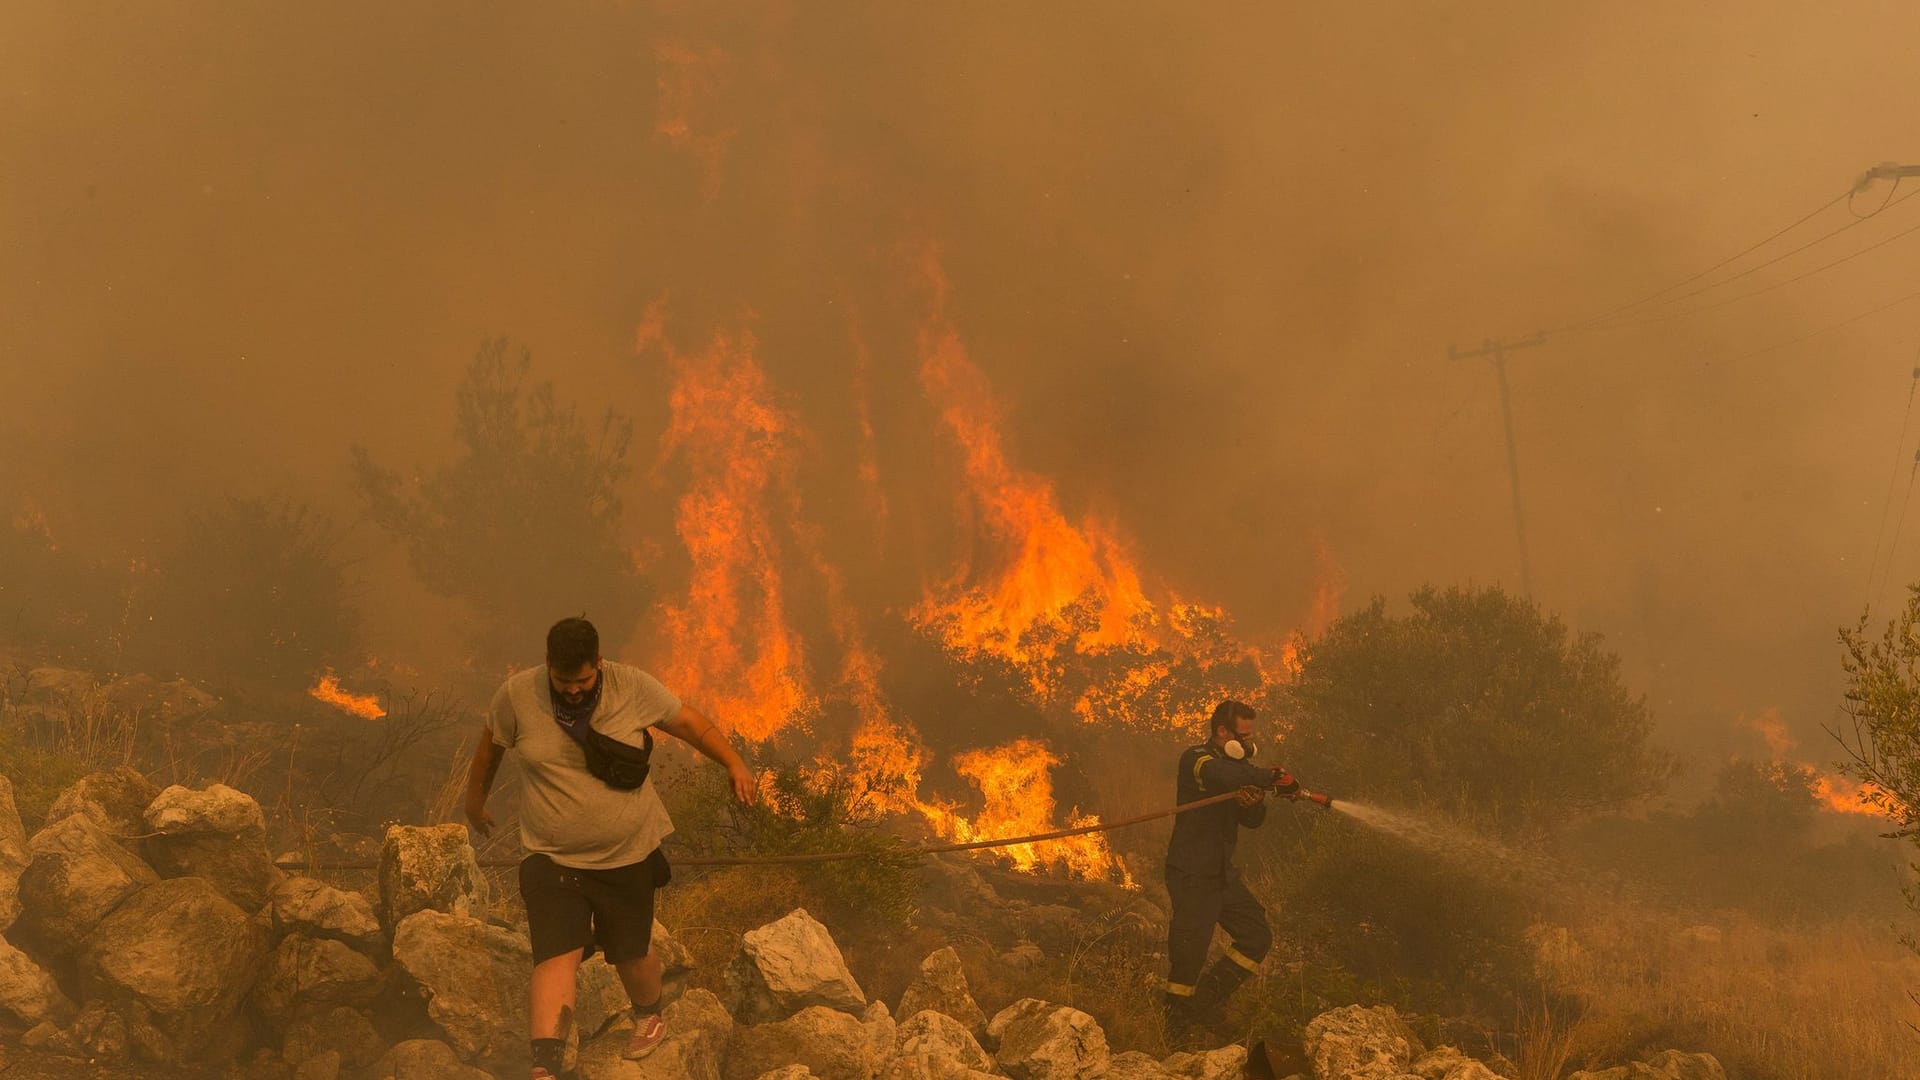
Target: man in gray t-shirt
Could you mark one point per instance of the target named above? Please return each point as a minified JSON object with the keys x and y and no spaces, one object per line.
{"x":593,"y":843}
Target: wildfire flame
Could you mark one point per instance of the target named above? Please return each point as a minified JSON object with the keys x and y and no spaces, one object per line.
{"x":1835,"y":793}
{"x":1062,"y":594}
{"x":738,"y":448}
{"x":327,"y":689}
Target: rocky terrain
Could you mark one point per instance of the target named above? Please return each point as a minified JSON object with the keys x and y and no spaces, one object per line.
{"x":151,"y":930}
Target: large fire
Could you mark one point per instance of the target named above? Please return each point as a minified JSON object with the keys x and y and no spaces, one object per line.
{"x":731,"y":643}
{"x":1062,"y":602}
{"x":1835,"y":793}
{"x":327,"y":689}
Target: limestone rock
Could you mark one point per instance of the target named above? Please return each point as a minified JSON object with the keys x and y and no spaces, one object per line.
{"x":1135,"y":1065}
{"x":115,"y":800}
{"x":424,"y":1059}
{"x":788,"y":1072}
{"x":831,"y":1043}
{"x":342,"y":1030}
{"x":183,"y":957}
{"x":322,"y":1066}
{"x":1225,"y":1063}
{"x":14,"y":855}
{"x":936,"y":1035}
{"x":1448,"y":1063}
{"x":302,"y":905}
{"x":426,"y":868}
{"x":217,"y":833}
{"x":78,"y":874}
{"x":881,"y":1032}
{"x":789,"y":965}
{"x":1356,"y":1043}
{"x":599,"y":996}
{"x":942,"y":987}
{"x":1683,"y":1066}
{"x":700,"y":1012}
{"x":1665,"y":1065}
{"x":1038,"y":1040}
{"x":305,"y":973}
{"x":27,"y":993}
{"x":98,"y":1032}
{"x":682,"y":1055}
{"x":473,"y":977}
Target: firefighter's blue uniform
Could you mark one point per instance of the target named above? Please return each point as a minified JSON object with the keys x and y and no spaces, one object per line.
{"x":1205,"y":887}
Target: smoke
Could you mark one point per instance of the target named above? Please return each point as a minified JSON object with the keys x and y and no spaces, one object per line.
{"x":1209,"y":262}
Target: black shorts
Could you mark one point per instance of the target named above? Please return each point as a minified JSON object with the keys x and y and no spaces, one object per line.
{"x":570,"y":909}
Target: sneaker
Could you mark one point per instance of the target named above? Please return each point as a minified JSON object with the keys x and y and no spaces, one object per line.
{"x":648,"y":1030}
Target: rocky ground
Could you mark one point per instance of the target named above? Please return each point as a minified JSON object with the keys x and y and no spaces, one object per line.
{"x":149,"y":933}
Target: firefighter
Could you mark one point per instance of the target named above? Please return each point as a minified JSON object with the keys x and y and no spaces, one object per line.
{"x":1202,"y":882}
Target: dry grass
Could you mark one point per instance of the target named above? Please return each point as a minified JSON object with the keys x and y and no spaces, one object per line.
{"x":1773,"y":1004}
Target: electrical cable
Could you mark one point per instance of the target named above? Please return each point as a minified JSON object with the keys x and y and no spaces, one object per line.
{"x":1829,"y":328}
{"x":1657,"y":319}
{"x":1893,"y":545}
{"x":1893,"y":478}
{"x":1710,"y":286}
{"x":1682,"y":283}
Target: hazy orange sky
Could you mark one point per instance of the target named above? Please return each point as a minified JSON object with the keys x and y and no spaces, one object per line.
{"x":1211,"y":261}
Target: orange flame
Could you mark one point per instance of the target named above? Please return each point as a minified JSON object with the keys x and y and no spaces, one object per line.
{"x":1834,"y":793}
{"x":364,"y":706}
{"x":738,"y":449}
{"x":1062,"y":591}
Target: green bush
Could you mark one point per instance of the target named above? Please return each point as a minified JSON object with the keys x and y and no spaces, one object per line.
{"x":1397,"y":916}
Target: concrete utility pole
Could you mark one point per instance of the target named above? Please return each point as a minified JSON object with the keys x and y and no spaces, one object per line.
{"x":1498,"y":350}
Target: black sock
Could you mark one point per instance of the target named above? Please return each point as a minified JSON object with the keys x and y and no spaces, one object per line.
{"x":550,"y":1054}
{"x":648,"y":1010}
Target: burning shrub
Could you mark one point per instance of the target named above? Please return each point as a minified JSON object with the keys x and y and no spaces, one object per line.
{"x":524,"y":525}
{"x":804,"y":813}
{"x":1476,"y":702}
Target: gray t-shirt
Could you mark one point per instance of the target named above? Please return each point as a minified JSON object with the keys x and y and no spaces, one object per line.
{"x":566,"y":812}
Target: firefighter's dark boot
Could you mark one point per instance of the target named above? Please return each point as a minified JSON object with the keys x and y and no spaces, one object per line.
{"x":1216,"y":985}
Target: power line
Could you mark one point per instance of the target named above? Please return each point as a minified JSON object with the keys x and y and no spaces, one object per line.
{"x":1830,"y":327}
{"x":1657,"y":319}
{"x":1893,"y":478}
{"x":1684,"y":282}
{"x":1893,"y":546}
{"x":1788,"y":254}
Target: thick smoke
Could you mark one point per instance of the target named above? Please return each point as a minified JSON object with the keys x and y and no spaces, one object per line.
{"x":1210,"y":262}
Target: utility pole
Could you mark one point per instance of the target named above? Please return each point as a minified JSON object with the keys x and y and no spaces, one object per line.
{"x":1498,"y":350}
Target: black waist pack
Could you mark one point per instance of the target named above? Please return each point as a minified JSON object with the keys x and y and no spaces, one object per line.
{"x":621,"y":766}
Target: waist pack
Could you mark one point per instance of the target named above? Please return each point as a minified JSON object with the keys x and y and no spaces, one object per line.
{"x":621,"y":766}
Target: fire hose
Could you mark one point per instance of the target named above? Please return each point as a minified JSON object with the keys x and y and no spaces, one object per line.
{"x":1281,"y":782}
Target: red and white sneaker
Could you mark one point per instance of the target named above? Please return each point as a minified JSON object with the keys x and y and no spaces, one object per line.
{"x":648,"y":1030}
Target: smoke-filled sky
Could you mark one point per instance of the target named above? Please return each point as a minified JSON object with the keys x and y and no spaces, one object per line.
{"x":1209,"y":257}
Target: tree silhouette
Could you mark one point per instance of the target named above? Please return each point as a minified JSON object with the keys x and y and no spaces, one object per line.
{"x":523,"y":525}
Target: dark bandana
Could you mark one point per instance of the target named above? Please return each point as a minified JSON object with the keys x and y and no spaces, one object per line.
{"x":574,"y":718}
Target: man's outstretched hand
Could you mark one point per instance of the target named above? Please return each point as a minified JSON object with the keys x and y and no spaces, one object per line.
{"x":1252,"y":794}
{"x":743,"y":786}
{"x":478,"y":819}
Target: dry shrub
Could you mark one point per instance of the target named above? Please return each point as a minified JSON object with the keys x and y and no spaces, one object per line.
{"x":1825,"y":1003}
